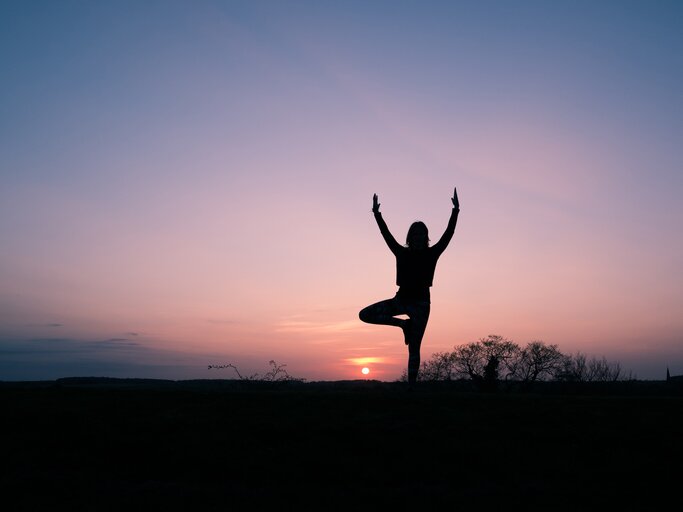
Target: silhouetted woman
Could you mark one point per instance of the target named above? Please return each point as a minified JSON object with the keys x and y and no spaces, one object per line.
{"x":415,"y":265}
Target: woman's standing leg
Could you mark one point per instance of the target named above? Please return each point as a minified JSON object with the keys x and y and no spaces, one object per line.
{"x":419,"y":314}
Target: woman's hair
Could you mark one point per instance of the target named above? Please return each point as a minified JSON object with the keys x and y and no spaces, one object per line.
{"x":417,"y":234}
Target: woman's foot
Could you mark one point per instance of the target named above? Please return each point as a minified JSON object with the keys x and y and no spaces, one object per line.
{"x":407,"y":327}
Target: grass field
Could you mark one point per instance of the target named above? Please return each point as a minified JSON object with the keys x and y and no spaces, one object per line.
{"x":226,"y":445}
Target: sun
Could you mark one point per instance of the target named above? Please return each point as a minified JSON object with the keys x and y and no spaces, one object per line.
{"x":365,"y":370}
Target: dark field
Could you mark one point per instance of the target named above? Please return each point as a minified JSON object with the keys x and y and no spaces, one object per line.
{"x":227,"y":445}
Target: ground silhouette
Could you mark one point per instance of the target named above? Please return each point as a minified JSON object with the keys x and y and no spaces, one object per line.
{"x":110,"y":444}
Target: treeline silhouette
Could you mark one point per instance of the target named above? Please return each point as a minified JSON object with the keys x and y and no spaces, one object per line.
{"x":486,"y":363}
{"x":490,"y":360}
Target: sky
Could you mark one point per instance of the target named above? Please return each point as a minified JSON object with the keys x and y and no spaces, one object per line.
{"x":185,"y":184}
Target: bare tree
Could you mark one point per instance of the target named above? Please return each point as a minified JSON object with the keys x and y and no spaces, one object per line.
{"x":494,"y":358}
{"x":494,"y":352}
{"x":573,"y":369}
{"x":440,"y":366}
{"x":601,"y":370}
{"x":579,"y":368}
{"x":537,"y":361}
{"x":277,"y":373}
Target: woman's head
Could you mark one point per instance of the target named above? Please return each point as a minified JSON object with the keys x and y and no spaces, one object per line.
{"x":418,"y":236}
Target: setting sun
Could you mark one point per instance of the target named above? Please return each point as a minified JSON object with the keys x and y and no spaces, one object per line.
{"x":365,"y":370}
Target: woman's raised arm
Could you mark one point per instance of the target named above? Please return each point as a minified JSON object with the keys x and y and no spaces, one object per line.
{"x":443,"y":242}
{"x":394,"y":246}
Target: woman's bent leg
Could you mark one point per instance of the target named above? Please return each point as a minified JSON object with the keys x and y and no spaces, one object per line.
{"x":383,"y":313}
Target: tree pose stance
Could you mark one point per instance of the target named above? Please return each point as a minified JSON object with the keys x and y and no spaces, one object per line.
{"x":415,"y":265}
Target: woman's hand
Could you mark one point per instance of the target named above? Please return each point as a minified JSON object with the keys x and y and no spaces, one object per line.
{"x":456,"y":203}
{"x":375,"y":204}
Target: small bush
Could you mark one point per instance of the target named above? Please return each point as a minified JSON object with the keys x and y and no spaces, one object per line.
{"x":277,"y":373}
